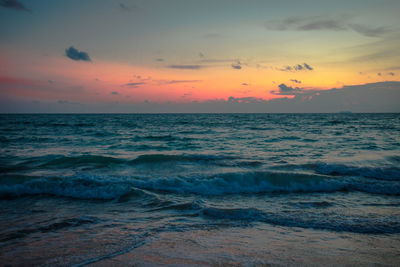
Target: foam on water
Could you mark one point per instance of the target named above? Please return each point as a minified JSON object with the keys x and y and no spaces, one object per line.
{"x":163,"y":173}
{"x":104,"y":187}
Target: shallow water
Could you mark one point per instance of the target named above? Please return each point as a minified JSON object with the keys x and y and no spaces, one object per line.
{"x":235,"y":188}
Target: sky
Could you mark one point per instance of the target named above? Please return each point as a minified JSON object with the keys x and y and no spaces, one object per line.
{"x":199,"y":56}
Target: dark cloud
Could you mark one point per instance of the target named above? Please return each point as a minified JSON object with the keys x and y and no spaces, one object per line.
{"x":185,"y":67}
{"x":237,"y":65}
{"x":114,"y":93}
{"x":315,"y":23}
{"x":287,"y":90}
{"x":295,"y":81}
{"x":298,"y":67}
{"x":14,"y":4}
{"x":77,"y":55}
{"x":134,"y":85}
{"x":246,"y":100}
{"x":159,"y":59}
{"x":308,"y":66}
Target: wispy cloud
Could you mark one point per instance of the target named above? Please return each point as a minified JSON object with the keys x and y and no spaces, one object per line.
{"x":369,"y":31}
{"x":77,"y":55}
{"x":134,"y":84}
{"x":186,"y":67}
{"x":318,"y":23}
{"x":182,"y":81}
{"x":14,"y":4}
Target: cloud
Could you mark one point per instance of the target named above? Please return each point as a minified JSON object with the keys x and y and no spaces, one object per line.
{"x":298,"y":67}
{"x":215,"y":60}
{"x":182,"y":81}
{"x":134,"y":85}
{"x":67,"y":102}
{"x":77,"y":55}
{"x":185,"y":67}
{"x":114,"y":93}
{"x":306,"y":24}
{"x":295,"y":81}
{"x":126,"y":8}
{"x":287,"y":90}
{"x":374,"y":97}
{"x":307,"y":66}
{"x":369,"y":31}
{"x":246,"y":100}
{"x":14,"y":4}
{"x":318,"y":23}
{"x":159,"y":59}
{"x":237,"y":65}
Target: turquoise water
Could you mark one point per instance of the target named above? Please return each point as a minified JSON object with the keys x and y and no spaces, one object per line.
{"x":86,"y":189}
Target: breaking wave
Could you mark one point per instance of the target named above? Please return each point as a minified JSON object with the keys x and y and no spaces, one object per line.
{"x":105,"y":187}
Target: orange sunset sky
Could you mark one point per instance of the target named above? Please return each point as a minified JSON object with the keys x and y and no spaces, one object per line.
{"x":129,"y":52}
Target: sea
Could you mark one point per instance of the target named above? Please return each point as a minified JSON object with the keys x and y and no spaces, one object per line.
{"x":200,"y":189}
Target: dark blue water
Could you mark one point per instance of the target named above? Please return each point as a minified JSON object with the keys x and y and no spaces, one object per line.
{"x":80,"y":189}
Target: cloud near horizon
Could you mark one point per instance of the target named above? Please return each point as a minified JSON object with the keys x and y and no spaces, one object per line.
{"x":295,"y":81}
{"x":373,"y":97}
{"x":287,"y":90}
{"x":76,"y":55}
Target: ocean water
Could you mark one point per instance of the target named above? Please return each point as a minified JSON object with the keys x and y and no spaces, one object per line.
{"x":200,"y":189}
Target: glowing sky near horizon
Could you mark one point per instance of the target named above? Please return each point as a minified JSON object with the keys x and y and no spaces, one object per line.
{"x":185,"y":51}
